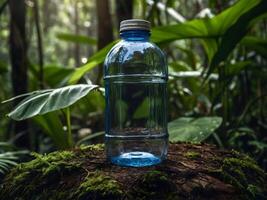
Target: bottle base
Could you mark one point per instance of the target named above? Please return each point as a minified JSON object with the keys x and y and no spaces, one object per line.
{"x":136,"y":159}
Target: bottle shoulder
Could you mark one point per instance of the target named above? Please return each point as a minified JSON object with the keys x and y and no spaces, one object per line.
{"x":143,"y":47}
{"x":128,"y":57}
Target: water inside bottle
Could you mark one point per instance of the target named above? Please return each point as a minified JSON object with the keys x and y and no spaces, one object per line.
{"x":135,"y":128}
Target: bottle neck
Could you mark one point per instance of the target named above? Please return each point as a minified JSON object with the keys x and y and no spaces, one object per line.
{"x":135,"y":35}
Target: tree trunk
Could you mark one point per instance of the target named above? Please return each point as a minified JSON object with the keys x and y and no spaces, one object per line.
{"x":104,"y":29}
{"x":191,"y":171}
{"x":40,"y":44}
{"x":18,"y":56}
{"x":77,"y":32}
{"x":124,"y":10}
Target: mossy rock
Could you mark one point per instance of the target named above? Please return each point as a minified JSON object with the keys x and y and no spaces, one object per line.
{"x":191,"y":171}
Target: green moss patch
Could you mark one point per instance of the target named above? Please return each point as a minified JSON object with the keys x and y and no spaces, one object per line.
{"x":95,"y":147}
{"x":29,"y":179}
{"x":240,"y":171}
{"x":98,"y":186}
{"x":192,"y":154}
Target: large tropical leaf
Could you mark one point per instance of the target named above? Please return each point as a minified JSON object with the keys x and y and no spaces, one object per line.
{"x":76,"y":38}
{"x":188,"y":129}
{"x":235,"y":33}
{"x":50,"y":100}
{"x":205,"y":28}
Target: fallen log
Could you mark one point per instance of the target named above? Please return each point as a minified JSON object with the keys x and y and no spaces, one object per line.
{"x":191,"y":171}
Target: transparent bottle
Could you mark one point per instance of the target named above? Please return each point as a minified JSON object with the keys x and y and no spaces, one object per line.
{"x":135,"y":74}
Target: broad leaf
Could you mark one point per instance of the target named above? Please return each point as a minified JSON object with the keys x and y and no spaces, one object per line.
{"x":187,"y":129}
{"x":50,"y":101}
{"x":76,"y":38}
{"x":204,"y":28}
{"x":236,"y":32}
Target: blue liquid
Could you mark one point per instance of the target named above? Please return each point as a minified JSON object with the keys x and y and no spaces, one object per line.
{"x":136,"y":159}
{"x":136,"y":151}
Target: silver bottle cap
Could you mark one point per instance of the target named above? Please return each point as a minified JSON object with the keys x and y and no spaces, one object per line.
{"x":134,"y":24}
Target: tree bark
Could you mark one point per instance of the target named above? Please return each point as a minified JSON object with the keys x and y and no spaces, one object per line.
{"x":124,"y":10}
{"x":18,"y":56}
{"x":104,"y":29}
{"x":191,"y":171}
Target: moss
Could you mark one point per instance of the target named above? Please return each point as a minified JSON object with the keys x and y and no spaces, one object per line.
{"x":154,"y":185}
{"x":94,"y":147}
{"x":44,"y":164}
{"x":241,"y":172}
{"x":255,"y":191}
{"x":192,"y":154}
{"x":28,"y":178}
{"x":98,"y":186}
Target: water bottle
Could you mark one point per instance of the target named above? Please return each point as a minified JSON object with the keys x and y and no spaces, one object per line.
{"x":135,"y":75}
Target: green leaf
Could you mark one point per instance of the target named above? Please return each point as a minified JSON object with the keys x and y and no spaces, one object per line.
{"x":257,"y":44}
{"x":234,"y":34}
{"x":76,"y":38}
{"x":52,"y":126}
{"x":9,"y":159}
{"x":55,"y":75}
{"x":122,"y":107}
{"x":95,"y":60}
{"x":26,"y":94}
{"x":204,"y":28}
{"x":234,"y":69}
{"x":143,"y":110}
{"x":187,"y":129}
{"x":50,"y":101}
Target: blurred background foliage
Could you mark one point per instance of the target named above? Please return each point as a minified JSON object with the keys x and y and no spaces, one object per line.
{"x":216,"y":52}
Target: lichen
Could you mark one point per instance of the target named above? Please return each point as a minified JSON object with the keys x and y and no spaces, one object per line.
{"x":192,"y":154}
{"x":99,"y":186}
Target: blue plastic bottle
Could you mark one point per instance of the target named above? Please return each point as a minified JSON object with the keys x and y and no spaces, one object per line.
{"x":135,"y":74}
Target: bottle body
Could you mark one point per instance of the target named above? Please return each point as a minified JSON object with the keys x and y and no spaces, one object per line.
{"x":135,"y":89}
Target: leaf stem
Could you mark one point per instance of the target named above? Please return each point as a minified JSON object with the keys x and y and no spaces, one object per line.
{"x":69,"y":133}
